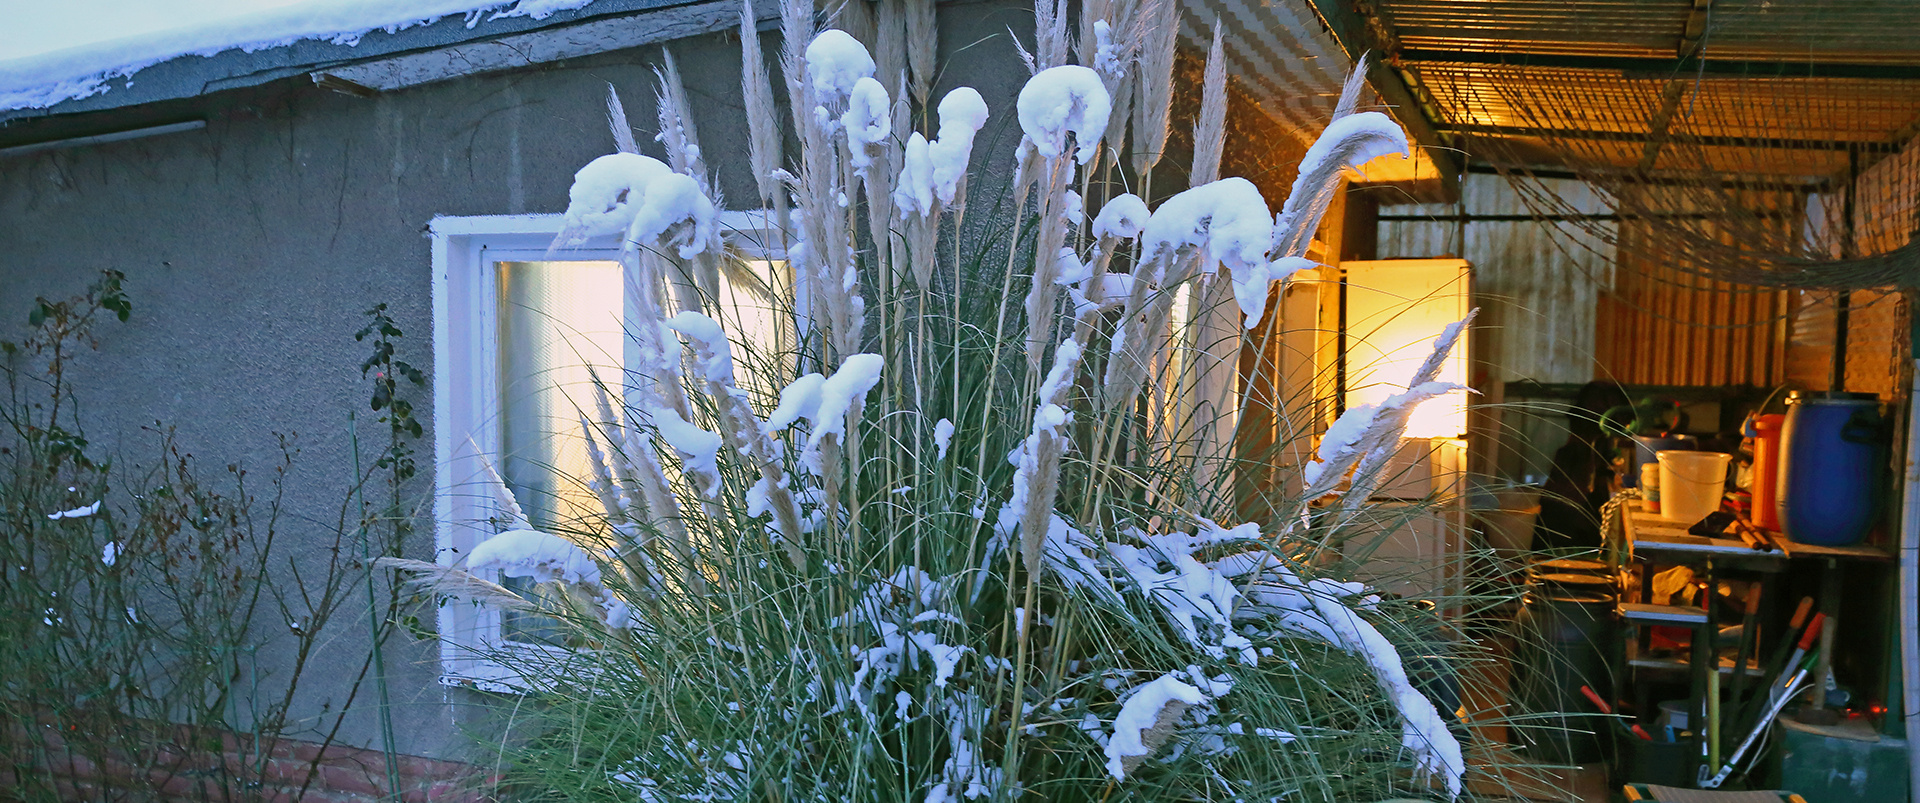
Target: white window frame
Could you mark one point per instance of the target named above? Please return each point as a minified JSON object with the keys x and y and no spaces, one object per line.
{"x":465,"y":402}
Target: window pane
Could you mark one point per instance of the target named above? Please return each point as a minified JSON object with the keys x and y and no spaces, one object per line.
{"x":755,"y":307}
{"x":556,"y":320}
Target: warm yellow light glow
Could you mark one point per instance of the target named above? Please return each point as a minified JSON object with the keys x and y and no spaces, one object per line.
{"x":1395,"y":308}
{"x":563,"y":322}
{"x":756,"y":319}
{"x":559,"y":325}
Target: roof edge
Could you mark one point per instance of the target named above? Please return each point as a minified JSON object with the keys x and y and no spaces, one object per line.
{"x":407,"y":54}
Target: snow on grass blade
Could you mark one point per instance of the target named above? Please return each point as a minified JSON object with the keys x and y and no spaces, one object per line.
{"x":534,"y":555}
{"x":835,"y":64}
{"x":1123,"y":216}
{"x":75,"y":513}
{"x":1062,"y":101}
{"x":1149,"y":712}
{"x":898,"y":653}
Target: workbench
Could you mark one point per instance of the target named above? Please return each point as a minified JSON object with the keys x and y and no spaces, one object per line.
{"x":1649,"y":532}
{"x":1657,"y":539}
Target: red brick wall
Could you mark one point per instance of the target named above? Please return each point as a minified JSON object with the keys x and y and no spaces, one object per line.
{"x":81,"y":769}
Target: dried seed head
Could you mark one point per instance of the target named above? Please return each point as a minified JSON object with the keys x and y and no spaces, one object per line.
{"x":1210,"y":129}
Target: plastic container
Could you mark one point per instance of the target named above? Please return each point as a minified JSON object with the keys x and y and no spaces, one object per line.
{"x":1645,"y":447}
{"x":1659,"y":762}
{"x":1691,"y":484}
{"x":1564,"y":640}
{"x":1832,"y":468}
{"x":1845,"y":763}
{"x":1673,"y":714}
{"x":1575,"y":584}
{"x":1573,"y":566}
{"x":1766,"y":469}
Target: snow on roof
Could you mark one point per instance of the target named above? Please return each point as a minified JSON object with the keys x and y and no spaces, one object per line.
{"x":45,"y":78}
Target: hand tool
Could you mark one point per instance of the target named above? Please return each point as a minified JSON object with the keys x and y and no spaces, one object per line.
{"x":1777,"y":664}
{"x":1799,"y":652}
{"x":1608,"y":710}
{"x":1766,"y":719}
{"x":1749,"y":638}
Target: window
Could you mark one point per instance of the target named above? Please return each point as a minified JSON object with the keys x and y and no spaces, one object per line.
{"x":519,"y":334}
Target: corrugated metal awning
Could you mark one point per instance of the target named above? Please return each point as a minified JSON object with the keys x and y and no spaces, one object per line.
{"x":1768,"y":86}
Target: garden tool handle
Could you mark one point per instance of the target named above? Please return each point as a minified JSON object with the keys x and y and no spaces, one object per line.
{"x":1601,"y":704}
{"x":1813,"y":631}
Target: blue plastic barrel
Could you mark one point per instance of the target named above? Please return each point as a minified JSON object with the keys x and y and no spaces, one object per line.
{"x":1832,"y":467}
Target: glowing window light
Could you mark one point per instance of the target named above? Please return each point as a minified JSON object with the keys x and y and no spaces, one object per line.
{"x":1395,"y":308}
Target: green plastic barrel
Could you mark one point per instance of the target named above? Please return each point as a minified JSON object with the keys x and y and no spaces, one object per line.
{"x":1845,"y":763}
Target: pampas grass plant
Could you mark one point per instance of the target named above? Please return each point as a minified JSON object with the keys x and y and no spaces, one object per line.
{"x":949,"y":546}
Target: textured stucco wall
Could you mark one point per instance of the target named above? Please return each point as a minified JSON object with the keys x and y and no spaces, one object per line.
{"x":252,"y":248}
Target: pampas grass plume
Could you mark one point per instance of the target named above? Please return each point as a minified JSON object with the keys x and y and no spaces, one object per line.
{"x":1153,"y":101}
{"x":1210,"y":130}
{"x":763,"y":123}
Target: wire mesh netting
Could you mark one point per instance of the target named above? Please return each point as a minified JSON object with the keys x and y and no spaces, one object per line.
{"x":1763,"y":182}
{"x":1758,"y":144}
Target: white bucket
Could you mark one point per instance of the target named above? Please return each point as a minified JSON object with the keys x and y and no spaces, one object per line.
{"x":1691,"y":484}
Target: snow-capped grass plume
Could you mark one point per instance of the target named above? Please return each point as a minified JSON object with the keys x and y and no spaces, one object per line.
{"x":948,"y":543}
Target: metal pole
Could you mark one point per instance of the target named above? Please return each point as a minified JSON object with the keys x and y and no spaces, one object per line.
{"x":1843,"y":297}
{"x":1910,"y":590}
